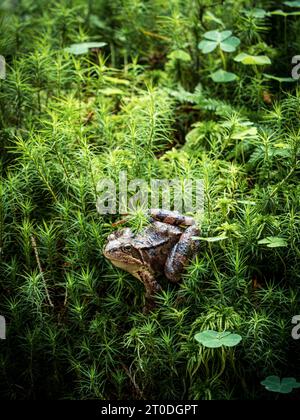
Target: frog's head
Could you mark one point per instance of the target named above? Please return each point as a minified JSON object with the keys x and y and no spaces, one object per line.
{"x":121,"y":251}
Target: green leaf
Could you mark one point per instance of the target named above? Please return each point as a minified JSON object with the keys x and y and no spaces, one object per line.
{"x":116,"y":81}
{"x":231,"y":340}
{"x":292,"y":3}
{"x":222,"y":76}
{"x":97,"y":23}
{"x":111,"y":91}
{"x":217,"y":36}
{"x":282,"y":13}
{"x":212,"y":238}
{"x":247,"y":202}
{"x":179,"y":55}
{"x":210,"y":17}
{"x":248,"y":132}
{"x":214,"y":39}
{"x":84,"y":47}
{"x":230,"y":44}
{"x":207,"y":46}
{"x":252,"y":60}
{"x":215,"y":339}
{"x":257,"y":13}
{"x":279,"y":79}
{"x":273,"y":242}
{"x":283,"y":386}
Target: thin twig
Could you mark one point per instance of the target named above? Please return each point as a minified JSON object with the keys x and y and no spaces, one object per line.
{"x":119,"y":222}
{"x":132,"y":379}
{"x":34,"y":246}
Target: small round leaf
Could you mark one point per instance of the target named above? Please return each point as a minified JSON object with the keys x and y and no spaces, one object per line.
{"x":222,"y":76}
{"x":215,"y":339}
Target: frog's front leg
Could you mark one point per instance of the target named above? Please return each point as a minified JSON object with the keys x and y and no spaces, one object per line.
{"x":151,"y":286}
{"x":171,"y":217}
{"x":182,"y":252}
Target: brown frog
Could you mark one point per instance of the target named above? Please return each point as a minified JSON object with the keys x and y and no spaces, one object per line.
{"x":165,"y":246}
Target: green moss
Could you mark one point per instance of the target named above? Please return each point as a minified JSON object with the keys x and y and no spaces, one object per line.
{"x":75,"y":327}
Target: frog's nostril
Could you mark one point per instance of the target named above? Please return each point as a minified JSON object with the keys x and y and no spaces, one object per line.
{"x":111,"y":237}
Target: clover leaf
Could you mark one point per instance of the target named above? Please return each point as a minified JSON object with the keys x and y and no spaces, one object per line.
{"x":214,"y":339}
{"x":284,"y":385}
{"x":214,"y":39}
{"x":222,"y":76}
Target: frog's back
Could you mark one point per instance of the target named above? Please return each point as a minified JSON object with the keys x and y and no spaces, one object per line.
{"x":156,"y":242}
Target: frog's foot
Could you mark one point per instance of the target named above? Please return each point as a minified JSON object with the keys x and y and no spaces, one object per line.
{"x":149,"y":306}
{"x":182,"y":252}
{"x":171,"y":217}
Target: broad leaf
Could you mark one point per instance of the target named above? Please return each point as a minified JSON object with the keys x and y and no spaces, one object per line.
{"x":283,"y":386}
{"x":279,"y":79}
{"x":179,"y":55}
{"x":256,"y":13}
{"x":84,"y":47}
{"x":292,"y":3}
{"x":252,"y":60}
{"x":248,"y":132}
{"x":273,"y":242}
{"x":282,"y":13}
{"x":215,"y":339}
{"x":222,"y":76}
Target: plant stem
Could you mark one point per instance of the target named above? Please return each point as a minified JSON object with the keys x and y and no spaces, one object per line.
{"x":223,"y":58}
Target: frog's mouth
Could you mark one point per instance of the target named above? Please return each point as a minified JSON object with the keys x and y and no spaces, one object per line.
{"x":130,"y":267}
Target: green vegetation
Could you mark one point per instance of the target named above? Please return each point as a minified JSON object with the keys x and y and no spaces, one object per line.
{"x":214,"y":339}
{"x":97,"y":87}
{"x":283,"y":386}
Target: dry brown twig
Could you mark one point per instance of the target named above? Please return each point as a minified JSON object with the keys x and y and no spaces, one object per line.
{"x":34,"y":246}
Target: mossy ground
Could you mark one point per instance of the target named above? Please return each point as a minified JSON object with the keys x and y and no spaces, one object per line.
{"x":145,"y":104}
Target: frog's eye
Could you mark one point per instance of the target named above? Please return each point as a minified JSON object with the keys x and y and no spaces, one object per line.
{"x":126,"y":247}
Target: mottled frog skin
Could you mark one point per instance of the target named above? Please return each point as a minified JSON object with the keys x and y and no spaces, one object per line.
{"x":165,"y":246}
